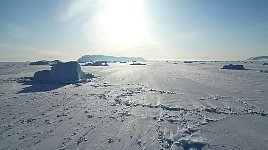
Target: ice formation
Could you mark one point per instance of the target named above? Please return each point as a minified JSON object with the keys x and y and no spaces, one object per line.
{"x":97,"y":63}
{"x":94,"y":58}
{"x":42,"y":62}
{"x":233,"y":67}
{"x":45,"y":62}
{"x":137,"y":64}
{"x":264,"y":71}
{"x":62,"y":72}
{"x":188,"y":62}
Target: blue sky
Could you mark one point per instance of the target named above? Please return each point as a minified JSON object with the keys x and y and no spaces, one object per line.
{"x":153,"y":29}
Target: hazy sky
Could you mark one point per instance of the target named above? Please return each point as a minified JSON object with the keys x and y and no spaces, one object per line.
{"x":153,"y":29}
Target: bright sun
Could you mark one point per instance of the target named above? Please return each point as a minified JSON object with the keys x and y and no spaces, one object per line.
{"x":123,"y":21}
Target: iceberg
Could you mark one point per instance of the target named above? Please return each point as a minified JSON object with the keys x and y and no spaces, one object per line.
{"x":62,"y":73}
{"x":233,"y":67}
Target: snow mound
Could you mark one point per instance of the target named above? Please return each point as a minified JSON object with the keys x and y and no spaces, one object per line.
{"x":234,"y":67}
{"x":62,"y":73}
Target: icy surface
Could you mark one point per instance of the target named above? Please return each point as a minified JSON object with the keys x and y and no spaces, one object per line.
{"x":161,"y":105}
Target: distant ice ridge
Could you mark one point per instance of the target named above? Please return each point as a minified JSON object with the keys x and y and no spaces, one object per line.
{"x":97,"y":63}
{"x":62,"y":73}
{"x":94,"y":58}
{"x":259,"y":58}
{"x":45,"y":62}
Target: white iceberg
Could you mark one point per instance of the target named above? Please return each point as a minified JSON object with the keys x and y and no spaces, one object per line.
{"x":62,"y":73}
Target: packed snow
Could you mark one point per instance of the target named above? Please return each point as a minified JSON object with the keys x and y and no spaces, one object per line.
{"x":160,"y":105}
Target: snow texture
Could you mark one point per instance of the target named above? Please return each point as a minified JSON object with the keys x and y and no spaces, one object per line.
{"x":157,"y":106}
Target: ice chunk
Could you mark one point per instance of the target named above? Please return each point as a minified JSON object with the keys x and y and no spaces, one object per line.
{"x":137,"y":64}
{"x":69,"y":71}
{"x":41,"y":76}
{"x":264,"y":71}
{"x":42,"y":62}
{"x":188,"y":62}
{"x":234,"y":67}
{"x":62,"y":72}
{"x":97,"y":63}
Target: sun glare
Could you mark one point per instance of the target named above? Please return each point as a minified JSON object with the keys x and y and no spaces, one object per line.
{"x":123,"y":21}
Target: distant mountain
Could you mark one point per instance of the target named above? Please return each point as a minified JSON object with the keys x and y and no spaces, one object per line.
{"x":260,"y":58}
{"x":93,"y":58}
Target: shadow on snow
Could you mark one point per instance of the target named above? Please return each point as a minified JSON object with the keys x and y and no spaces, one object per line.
{"x":39,"y":87}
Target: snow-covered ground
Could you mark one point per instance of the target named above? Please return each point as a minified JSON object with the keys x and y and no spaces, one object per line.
{"x":160,"y":105}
